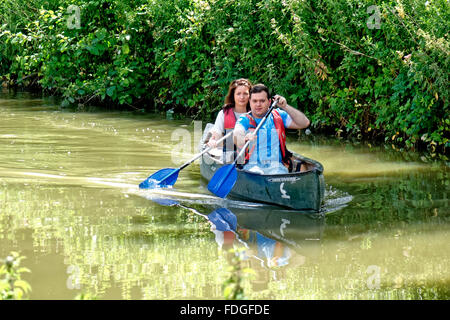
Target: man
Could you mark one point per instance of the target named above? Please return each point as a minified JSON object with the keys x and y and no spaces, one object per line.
{"x":268,"y":153}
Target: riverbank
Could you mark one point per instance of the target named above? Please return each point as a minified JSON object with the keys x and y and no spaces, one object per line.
{"x":373,"y":72}
{"x":312,"y":138}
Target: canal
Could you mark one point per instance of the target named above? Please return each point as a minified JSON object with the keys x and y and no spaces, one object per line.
{"x":70,"y":203}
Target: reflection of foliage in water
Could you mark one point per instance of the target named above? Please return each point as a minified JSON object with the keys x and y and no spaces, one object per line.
{"x":167,"y":254}
{"x":403,"y":218}
{"x":154,"y":252}
{"x":414,"y":197}
{"x":343,"y":269}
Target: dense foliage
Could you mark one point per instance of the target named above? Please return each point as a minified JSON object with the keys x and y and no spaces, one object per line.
{"x":371,"y":69}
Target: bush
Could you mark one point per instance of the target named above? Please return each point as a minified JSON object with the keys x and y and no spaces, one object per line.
{"x":369,"y":69}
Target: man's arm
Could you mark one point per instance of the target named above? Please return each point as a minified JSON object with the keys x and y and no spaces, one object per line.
{"x":299,"y":120}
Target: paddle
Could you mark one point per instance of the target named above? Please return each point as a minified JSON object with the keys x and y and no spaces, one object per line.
{"x":223,"y":219}
{"x":224,"y":179}
{"x":168,"y":176}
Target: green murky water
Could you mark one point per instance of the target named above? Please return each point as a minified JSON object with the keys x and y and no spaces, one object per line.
{"x":69,"y":202}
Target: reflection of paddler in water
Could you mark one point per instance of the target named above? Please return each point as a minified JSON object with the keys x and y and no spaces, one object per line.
{"x":227,"y":232}
{"x":268,"y":234}
{"x":274,"y":238}
{"x":273,"y":253}
{"x":265,"y":253}
{"x":224,"y":227}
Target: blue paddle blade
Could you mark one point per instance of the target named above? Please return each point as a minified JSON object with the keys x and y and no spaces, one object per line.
{"x":160,"y":179}
{"x":217,"y":220}
{"x":222,"y":218}
{"x":228,"y":216}
{"x":223,"y":181}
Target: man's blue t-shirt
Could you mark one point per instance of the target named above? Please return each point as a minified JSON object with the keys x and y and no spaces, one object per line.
{"x":267,"y":147}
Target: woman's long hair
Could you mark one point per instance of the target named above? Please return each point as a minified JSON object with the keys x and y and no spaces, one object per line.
{"x":229,"y":98}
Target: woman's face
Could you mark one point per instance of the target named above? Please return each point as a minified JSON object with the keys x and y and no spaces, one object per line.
{"x":241,"y":95}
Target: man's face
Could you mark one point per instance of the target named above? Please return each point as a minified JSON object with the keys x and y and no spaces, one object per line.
{"x":259,"y":103}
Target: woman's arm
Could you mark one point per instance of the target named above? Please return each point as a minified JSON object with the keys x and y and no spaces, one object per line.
{"x":212,"y":142}
{"x":216,"y":131}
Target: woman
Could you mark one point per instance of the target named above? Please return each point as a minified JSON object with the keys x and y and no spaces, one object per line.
{"x":236,"y":104}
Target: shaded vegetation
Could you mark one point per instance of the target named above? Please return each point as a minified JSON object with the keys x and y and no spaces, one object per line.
{"x":355,"y":69}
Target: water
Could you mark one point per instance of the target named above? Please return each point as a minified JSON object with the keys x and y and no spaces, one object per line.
{"x":69,"y":202}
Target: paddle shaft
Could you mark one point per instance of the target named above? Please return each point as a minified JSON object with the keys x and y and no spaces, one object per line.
{"x":204,"y":151}
{"x":256,"y":130}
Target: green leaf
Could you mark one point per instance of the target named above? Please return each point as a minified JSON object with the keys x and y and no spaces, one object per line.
{"x":125,"y":49}
{"x":93,"y":50}
{"x":228,"y":291}
{"x":23,"y":269}
{"x":22,"y":285}
{"x":110,"y":91}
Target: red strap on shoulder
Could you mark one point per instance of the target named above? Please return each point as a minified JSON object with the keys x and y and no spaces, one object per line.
{"x":229,"y":119}
{"x":279,"y":125}
{"x":251,"y":120}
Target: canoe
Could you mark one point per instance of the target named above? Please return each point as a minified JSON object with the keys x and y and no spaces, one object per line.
{"x":303,"y":189}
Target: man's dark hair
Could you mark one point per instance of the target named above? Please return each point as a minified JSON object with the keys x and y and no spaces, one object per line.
{"x":257,"y":88}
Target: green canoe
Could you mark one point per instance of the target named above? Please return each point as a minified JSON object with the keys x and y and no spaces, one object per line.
{"x":299,"y":190}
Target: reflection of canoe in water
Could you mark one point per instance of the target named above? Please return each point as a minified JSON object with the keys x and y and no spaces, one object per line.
{"x":270,"y":234}
{"x":302,"y":189}
{"x":291,"y":227}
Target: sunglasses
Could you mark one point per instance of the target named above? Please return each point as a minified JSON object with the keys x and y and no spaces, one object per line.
{"x":237,"y":83}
